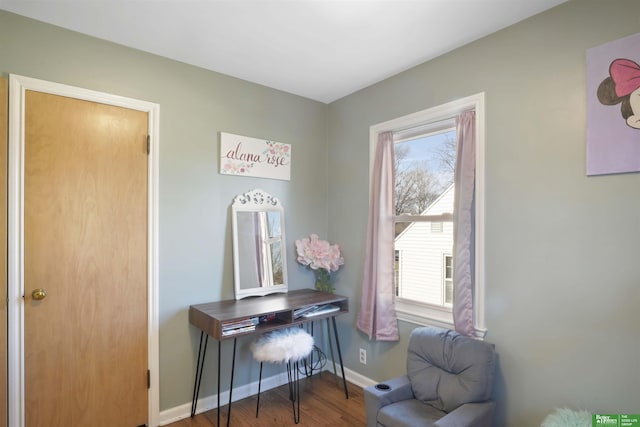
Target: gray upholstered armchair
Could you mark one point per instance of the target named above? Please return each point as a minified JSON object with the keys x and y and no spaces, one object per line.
{"x":448,"y":383}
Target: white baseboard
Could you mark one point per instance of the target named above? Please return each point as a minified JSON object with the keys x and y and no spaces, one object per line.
{"x":178,"y":413}
{"x":356,"y":378}
{"x":211,"y":402}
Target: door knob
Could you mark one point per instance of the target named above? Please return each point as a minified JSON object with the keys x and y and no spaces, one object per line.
{"x":38,"y":294}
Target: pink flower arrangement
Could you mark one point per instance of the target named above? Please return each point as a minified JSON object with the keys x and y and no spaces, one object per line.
{"x":319,"y":254}
{"x":321,"y":257}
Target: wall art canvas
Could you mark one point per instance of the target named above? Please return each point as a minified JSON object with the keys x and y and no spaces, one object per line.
{"x":247,"y":156}
{"x":613,"y":107}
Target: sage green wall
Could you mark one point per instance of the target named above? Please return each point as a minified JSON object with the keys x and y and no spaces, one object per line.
{"x":562,"y":259}
{"x":195,"y":244}
{"x":552,"y":233}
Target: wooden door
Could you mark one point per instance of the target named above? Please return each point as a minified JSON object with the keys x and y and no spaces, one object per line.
{"x":4,"y":102}
{"x":85,"y":245}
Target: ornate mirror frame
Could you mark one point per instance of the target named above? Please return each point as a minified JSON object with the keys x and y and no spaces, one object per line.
{"x":259,"y":245}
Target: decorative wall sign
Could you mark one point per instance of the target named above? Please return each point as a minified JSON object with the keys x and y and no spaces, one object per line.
{"x":613,"y":107}
{"x":246,"y":156}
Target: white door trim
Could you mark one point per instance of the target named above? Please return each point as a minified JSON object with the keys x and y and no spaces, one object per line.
{"x":18,"y":85}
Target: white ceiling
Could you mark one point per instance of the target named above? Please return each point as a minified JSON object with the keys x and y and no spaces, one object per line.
{"x":318,"y":49}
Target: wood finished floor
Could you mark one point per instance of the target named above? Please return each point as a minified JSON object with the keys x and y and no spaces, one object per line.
{"x":322,"y":403}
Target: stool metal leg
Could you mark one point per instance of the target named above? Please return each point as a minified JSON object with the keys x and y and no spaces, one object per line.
{"x":290,"y":380}
{"x":294,"y":389}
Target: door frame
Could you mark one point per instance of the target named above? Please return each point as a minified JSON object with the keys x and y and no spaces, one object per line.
{"x":18,"y":85}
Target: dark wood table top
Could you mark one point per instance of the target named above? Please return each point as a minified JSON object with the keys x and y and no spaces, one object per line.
{"x":210,"y":317}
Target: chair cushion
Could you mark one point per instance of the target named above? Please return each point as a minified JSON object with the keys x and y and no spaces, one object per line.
{"x":283,"y":345}
{"x":408,"y":413}
{"x":447,"y":369}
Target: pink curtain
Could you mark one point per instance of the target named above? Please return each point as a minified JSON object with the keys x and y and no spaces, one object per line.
{"x":464,"y":224}
{"x":377,"y":317}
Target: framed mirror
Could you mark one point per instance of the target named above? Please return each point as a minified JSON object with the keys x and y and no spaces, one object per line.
{"x":259,"y":251}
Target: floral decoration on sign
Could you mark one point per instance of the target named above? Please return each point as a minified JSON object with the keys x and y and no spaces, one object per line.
{"x":237,"y":168}
{"x":277,"y":150}
{"x":321,"y":257}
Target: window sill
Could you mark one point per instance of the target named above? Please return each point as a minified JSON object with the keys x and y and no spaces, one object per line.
{"x":424,"y":314}
{"x":429,"y":315}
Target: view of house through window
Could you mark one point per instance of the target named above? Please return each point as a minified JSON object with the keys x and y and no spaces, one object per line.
{"x":424,"y":190}
{"x":425,"y":144}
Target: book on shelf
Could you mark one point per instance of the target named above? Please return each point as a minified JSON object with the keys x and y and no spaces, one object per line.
{"x":320,"y":310}
{"x":240,"y":323}
{"x":301,"y":311}
{"x":233,"y":331}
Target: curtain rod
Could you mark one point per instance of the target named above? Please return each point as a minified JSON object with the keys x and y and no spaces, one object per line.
{"x":429,"y":127}
{"x":424,"y":129}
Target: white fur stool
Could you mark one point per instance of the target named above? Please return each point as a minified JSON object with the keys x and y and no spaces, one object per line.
{"x":288,"y":346}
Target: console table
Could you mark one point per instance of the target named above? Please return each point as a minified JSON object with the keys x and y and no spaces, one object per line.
{"x":278,"y":310}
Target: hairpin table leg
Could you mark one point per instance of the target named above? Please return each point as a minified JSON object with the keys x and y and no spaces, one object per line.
{"x":202,"y":351}
{"x":335,"y":333}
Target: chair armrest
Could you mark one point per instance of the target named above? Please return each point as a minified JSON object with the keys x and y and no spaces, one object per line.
{"x":469,"y":414}
{"x":399,"y":389}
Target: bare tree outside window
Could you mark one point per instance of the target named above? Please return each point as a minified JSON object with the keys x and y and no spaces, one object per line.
{"x":424,"y":168}
{"x":424,"y":216}
{"x":446,"y":153}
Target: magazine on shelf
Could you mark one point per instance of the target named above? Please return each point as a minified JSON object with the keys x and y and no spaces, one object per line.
{"x":241,"y":323}
{"x":227,"y":332}
{"x":301,"y":311}
{"x":321,"y":309}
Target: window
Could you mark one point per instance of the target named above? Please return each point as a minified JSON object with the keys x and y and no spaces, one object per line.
{"x":447,"y":282}
{"x":423,"y":197}
{"x":425,"y":157}
{"x":397,"y":268}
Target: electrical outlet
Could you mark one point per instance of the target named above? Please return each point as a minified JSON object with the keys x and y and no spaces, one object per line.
{"x":363,"y":356}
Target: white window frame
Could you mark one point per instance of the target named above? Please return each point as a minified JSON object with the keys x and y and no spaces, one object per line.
{"x":397,"y":272}
{"x":420,"y":123}
{"x":444,"y":277}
